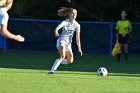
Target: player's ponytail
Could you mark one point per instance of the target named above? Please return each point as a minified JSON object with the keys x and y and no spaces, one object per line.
{"x":64,"y":11}
{"x":4,"y":3}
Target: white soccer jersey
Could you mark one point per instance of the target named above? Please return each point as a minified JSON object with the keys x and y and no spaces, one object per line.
{"x":3,"y":16}
{"x":68,"y":30}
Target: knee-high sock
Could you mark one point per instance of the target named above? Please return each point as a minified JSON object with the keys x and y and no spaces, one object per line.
{"x":55,"y":65}
{"x":64,"y":61}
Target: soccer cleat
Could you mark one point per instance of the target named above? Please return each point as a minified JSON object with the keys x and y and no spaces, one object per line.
{"x":50,"y":72}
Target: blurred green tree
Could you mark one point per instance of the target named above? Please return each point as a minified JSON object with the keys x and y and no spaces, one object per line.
{"x":91,"y":10}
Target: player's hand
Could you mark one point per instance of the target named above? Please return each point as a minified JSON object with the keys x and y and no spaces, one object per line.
{"x":56,"y":35}
{"x":80,"y":51}
{"x":20,"y":38}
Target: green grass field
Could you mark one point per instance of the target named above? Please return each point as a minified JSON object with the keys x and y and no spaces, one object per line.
{"x":26,"y":72}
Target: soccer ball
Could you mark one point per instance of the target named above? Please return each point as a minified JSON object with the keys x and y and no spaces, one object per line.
{"x":102,"y":71}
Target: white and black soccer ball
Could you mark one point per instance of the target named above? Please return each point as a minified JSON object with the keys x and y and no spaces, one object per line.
{"x":102,"y":71}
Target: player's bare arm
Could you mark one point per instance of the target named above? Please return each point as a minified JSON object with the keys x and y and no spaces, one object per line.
{"x":56,"y":31}
{"x":7,"y":34}
{"x":78,"y":42}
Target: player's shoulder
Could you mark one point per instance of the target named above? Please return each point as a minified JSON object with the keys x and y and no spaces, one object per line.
{"x":3,"y":12}
{"x":119,"y":21}
{"x":66,"y":20}
{"x":123,"y":21}
{"x":77,"y":24}
{"x":127,"y":20}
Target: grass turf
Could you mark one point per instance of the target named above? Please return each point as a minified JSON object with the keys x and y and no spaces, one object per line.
{"x":26,"y":72}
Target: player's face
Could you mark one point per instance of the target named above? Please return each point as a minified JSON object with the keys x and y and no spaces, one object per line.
{"x":123,"y":14}
{"x":73,"y":14}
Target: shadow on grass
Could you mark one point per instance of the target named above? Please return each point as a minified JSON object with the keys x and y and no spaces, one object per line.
{"x":88,"y":63}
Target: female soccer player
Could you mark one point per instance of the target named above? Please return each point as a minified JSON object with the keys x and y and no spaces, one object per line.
{"x":5,"y":5}
{"x":69,"y":26}
{"x":123,"y":29}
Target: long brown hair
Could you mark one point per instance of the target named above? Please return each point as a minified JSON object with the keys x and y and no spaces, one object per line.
{"x":4,"y":3}
{"x":64,"y":11}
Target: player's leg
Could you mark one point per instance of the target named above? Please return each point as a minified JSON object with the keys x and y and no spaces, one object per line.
{"x":69,"y":55}
{"x":61,"y":49}
{"x":120,"y":42}
{"x":69,"y":58}
{"x":126,"y":41}
{"x":59,"y":60}
{"x":126,"y":52}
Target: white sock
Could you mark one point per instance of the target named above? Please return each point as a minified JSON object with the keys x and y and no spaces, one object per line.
{"x":64,"y":61}
{"x":55,"y":65}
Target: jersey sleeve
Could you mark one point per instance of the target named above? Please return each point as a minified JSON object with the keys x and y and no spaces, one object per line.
{"x":78,"y":28}
{"x":4,"y":19}
{"x":129,"y":25}
{"x":117,"y":26}
{"x":62,"y":23}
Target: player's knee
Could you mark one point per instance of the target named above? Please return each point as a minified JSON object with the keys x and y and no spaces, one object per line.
{"x":70,"y":61}
{"x":62,"y":57}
